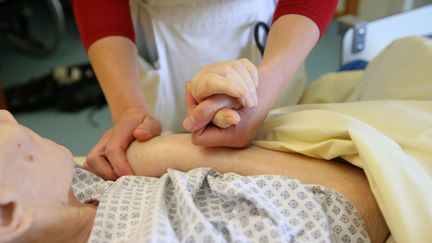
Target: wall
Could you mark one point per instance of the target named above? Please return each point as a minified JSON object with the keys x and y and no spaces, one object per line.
{"x":373,"y":9}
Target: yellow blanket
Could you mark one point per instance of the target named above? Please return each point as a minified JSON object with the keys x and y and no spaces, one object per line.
{"x":390,"y":139}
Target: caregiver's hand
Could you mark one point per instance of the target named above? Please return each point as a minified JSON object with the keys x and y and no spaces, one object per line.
{"x":237,"y":136}
{"x":237,"y":78}
{"x":108,"y":157}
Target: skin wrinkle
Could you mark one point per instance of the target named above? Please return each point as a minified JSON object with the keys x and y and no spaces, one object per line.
{"x":78,"y":232}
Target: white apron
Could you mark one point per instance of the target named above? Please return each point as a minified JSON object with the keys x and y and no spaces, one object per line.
{"x":177,"y":37}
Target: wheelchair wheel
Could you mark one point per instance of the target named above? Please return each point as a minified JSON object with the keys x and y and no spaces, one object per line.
{"x":35,"y":27}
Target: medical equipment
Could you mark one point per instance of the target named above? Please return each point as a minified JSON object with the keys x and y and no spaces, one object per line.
{"x":261,"y":36}
{"x":364,"y":40}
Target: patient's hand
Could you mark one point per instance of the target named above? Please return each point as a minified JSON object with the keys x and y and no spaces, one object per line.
{"x":237,"y":79}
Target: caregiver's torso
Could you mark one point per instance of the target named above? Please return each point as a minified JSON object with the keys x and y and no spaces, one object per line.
{"x":177,"y":37}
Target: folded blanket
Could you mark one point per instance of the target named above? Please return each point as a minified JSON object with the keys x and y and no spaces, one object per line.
{"x":390,"y":139}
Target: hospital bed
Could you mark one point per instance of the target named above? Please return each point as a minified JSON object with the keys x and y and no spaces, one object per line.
{"x":364,"y":40}
{"x":378,"y":34}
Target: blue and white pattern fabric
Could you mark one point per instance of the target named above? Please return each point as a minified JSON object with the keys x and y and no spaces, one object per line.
{"x":203,"y":205}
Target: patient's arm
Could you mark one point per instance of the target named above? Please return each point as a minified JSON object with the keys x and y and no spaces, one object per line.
{"x":152,"y":158}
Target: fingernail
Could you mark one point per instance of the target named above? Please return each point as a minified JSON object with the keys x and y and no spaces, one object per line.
{"x":255,"y":99}
{"x":242,"y":92}
{"x":250,"y":102}
{"x":244,"y":101}
{"x":232,"y":120}
{"x":247,"y":103}
{"x":189,"y":123}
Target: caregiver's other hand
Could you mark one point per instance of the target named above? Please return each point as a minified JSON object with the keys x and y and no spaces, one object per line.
{"x":237,"y":78}
{"x":108,"y":157}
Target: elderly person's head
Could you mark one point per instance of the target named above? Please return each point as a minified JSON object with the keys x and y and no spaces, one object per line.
{"x":35,"y":182}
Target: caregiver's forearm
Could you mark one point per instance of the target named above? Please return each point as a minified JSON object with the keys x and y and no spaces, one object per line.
{"x":115,"y":62}
{"x":290,"y":40}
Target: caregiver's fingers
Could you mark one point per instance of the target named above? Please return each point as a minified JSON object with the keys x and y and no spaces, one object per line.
{"x":191,"y":104}
{"x":125,"y":131}
{"x":115,"y":150}
{"x":189,"y":100}
{"x":150,"y":127}
{"x":96,"y":161}
{"x":102,"y":168}
{"x":226,"y":117}
{"x":206,"y":110}
{"x":208,"y":84}
{"x":235,"y":78}
{"x":252,"y":69}
{"x":239,"y":74}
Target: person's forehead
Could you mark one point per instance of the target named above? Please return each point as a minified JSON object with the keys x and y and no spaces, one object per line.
{"x":10,"y":132}
{"x":9,"y":125}
{"x":8,"y":137}
{"x":14,"y":139}
{"x":6,"y":116}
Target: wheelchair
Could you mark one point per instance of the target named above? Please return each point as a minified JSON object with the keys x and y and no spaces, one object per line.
{"x":35,"y":27}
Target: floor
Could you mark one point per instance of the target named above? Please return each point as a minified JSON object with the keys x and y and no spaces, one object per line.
{"x":81,"y":130}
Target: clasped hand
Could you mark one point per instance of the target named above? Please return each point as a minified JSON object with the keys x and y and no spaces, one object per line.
{"x":222,"y":104}
{"x":108,"y":157}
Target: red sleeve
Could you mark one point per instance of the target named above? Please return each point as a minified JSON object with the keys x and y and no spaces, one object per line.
{"x":100,"y":18}
{"x":319,"y":11}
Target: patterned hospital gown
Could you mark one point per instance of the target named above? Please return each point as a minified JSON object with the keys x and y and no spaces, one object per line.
{"x":203,"y":205}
